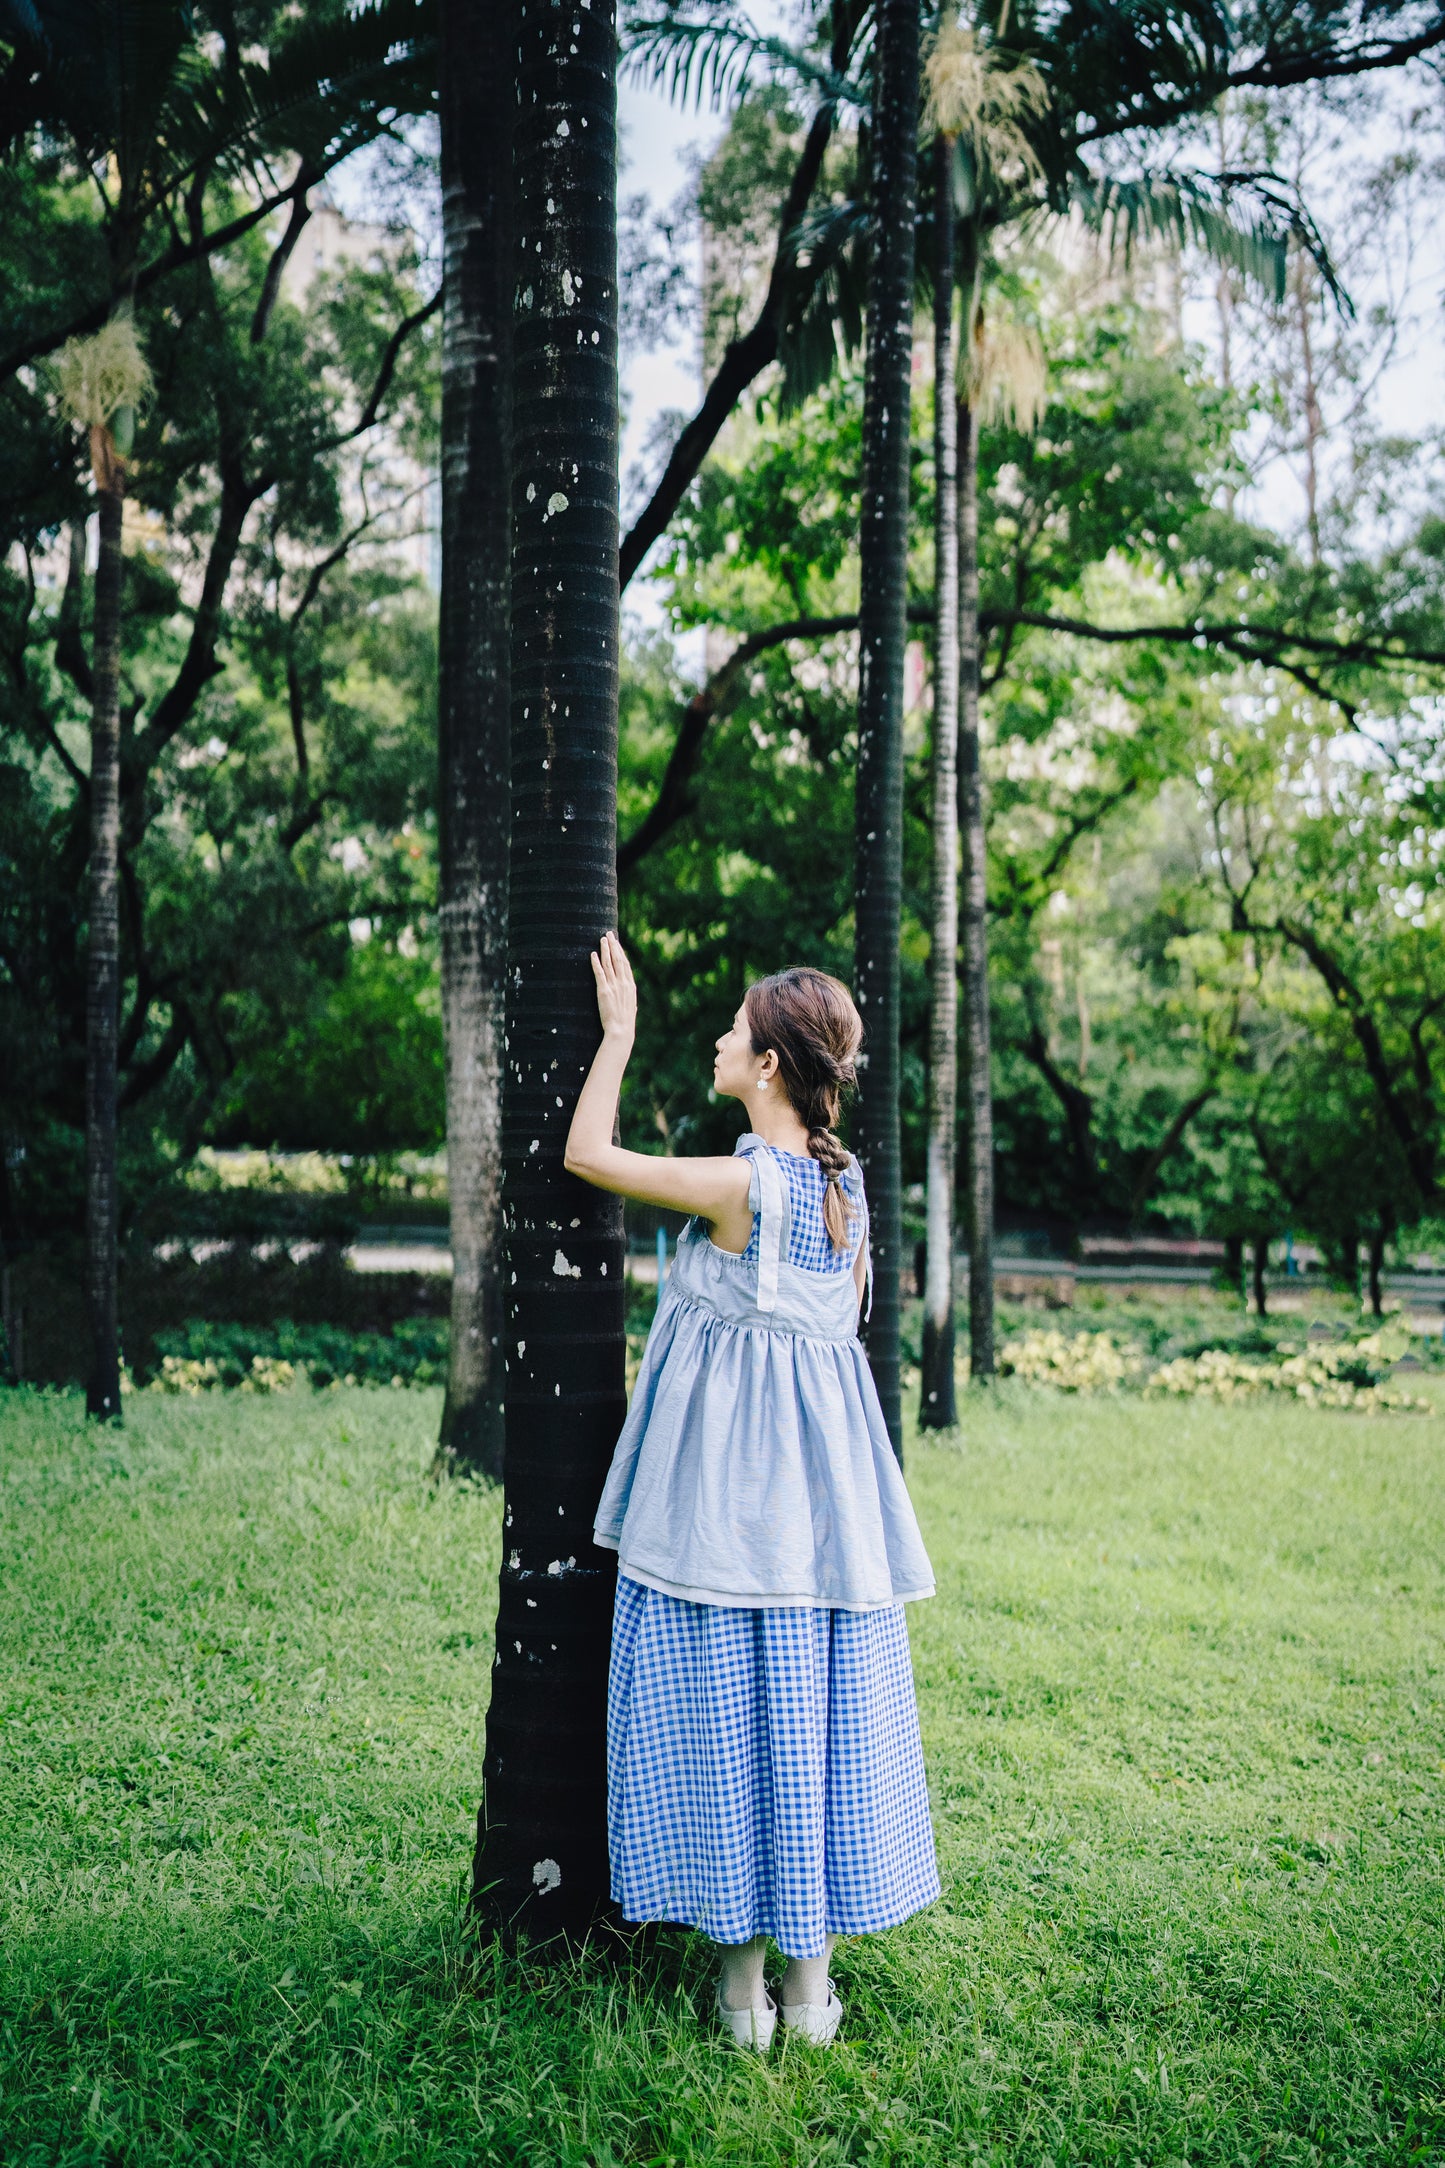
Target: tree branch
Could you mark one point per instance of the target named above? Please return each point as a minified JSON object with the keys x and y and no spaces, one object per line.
{"x":1148,"y":1172}
{"x":199,"y":664}
{"x":384,"y":374}
{"x":157,"y":1066}
{"x":1424,"y":1079}
{"x":1083,"y":824}
{"x":1419,"y":1150}
{"x":306,"y":817}
{"x":175,"y":258}
{"x":1249,"y":643}
{"x":281,"y":254}
{"x":1267,"y":73}
{"x":70,"y":655}
{"x":1252,"y":643}
{"x":1077,"y":1104}
{"x":745,"y":359}
{"x":710,"y":700}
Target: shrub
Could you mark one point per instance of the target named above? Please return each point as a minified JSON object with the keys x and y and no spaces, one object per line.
{"x":201,"y":1356}
{"x":1350,"y":1374}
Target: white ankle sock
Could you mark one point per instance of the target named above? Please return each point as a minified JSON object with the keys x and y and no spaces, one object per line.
{"x":806,"y":1979}
{"x":742,"y":1974}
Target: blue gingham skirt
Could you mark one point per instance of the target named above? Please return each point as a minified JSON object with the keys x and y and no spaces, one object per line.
{"x":764,"y":1770}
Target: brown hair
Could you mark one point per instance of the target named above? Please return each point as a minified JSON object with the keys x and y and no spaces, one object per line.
{"x":808,"y":1020}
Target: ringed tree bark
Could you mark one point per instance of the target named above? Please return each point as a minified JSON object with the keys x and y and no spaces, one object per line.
{"x":938,"y":1398}
{"x":978,"y":1037}
{"x":102,"y":379}
{"x":478,"y":109}
{"x":102,"y":976}
{"x":882,"y":634}
{"x":541,"y":1858}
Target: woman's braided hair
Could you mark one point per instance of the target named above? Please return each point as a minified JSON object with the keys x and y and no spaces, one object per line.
{"x":809,"y":1021}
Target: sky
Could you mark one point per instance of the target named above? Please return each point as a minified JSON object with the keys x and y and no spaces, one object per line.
{"x":660,"y":141}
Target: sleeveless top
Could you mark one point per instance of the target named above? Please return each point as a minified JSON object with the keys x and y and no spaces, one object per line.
{"x":754,"y":1469}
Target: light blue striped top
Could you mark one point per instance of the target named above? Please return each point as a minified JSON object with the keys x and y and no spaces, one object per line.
{"x":754,"y":1469}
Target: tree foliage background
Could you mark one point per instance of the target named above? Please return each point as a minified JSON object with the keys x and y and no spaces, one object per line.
{"x":1214,"y":627}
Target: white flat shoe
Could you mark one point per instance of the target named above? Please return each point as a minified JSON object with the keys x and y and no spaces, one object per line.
{"x":750,"y":2028}
{"x":815,"y":2022}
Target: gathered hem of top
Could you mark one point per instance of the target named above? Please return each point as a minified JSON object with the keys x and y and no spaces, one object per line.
{"x":768,"y":1327}
{"x":731,"y":1600}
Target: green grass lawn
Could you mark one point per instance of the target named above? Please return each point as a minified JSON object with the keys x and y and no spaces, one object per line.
{"x":1182,"y":1701}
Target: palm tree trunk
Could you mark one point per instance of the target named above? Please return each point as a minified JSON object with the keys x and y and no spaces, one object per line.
{"x":541,"y":1860}
{"x":102,"y":990}
{"x":478,"y":104}
{"x":882,"y":636}
{"x":938,"y":1400}
{"x":975,"y":917}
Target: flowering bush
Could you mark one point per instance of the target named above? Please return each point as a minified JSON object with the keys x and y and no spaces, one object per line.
{"x":192,"y":1374}
{"x":1084,"y":1362}
{"x":1352,"y":1374}
{"x":269,"y":1374}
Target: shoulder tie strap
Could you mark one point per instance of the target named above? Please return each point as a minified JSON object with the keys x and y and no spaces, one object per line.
{"x":770,"y":1229}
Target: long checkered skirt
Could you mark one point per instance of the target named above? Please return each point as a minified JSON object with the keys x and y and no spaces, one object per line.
{"x":764,"y":1770}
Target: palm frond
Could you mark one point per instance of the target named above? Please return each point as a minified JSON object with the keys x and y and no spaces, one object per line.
{"x":321,"y":89}
{"x":827,"y":300}
{"x":972,"y":93}
{"x":1247,"y":222}
{"x":715,"y":59}
{"x":1002,"y":370}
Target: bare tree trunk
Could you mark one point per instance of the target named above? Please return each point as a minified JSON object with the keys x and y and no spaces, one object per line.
{"x":1378,"y":1239}
{"x":938,"y":1398}
{"x":1259,"y":1260}
{"x":882,"y":637}
{"x":1313,"y":417}
{"x":102,"y":990}
{"x":541,"y":1860}
{"x":478,"y":106}
{"x":977,"y":1034}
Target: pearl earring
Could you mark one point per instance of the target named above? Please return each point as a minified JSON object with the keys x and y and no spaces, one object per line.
{"x":762,"y":1083}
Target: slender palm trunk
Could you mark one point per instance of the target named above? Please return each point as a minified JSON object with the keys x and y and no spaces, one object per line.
{"x":478,"y":106}
{"x":541,"y":1860}
{"x":102,"y":991}
{"x":938,"y":1400}
{"x":975,"y":917}
{"x":882,"y":636}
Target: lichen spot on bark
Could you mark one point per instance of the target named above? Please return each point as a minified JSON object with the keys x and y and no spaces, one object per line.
{"x":547,"y":1875}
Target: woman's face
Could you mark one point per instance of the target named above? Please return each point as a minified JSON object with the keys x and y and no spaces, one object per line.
{"x":736,"y":1070}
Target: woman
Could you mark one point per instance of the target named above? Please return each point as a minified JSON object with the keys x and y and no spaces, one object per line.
{"x":765,"y":1776}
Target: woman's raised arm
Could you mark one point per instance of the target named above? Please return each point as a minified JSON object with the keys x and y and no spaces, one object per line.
{"x":715,"y":1189}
